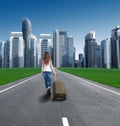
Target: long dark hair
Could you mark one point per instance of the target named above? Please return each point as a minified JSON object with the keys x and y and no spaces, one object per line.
{"x":46,"y":57}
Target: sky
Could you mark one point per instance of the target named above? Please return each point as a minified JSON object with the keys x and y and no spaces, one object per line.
{"x":77,"y":17}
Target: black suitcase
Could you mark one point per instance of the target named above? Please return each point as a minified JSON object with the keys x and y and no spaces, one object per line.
{"x":59,"y":91}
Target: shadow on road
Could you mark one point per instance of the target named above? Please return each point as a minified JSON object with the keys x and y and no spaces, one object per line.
{"x":45,"y":98}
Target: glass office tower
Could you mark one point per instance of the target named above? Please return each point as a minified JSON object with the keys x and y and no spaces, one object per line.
{"x":90,"y":50}
{"x":16,"y":50}
{"x":26,"y":30}
{"x":115,"y":48}
{"x":2,"y":59}
{"x":60,"y":48}
{"x":70,"y":52}
{"x":46,"y":44}
{"x":105,"y":54}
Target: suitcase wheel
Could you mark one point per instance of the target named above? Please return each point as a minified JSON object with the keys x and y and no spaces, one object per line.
{"x":54,"y":98}
{"x":65,"y":98}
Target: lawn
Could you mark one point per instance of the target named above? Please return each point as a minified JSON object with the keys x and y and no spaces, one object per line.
{"x":109,"y":77}
{"x":13,"y":74}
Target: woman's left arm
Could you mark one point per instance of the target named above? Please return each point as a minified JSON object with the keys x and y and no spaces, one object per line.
{"x":42,"y":66}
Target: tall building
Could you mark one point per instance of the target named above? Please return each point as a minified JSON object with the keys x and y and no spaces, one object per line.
{"x":70,"y":52}
{"x":38,"y":54}
{"x":97,"y":57}
{"x":105,"y":54}
{"x":26,"y":30}
{"x":2,"y":56}
{"x":60,"y":48}
{"x":33,"y":51}
{"x":7,"y":53}
{"x":90,"y":50}
{"x":16,"y":50}
{"x":115,"y":48}
{"x":81,"y":60}
{"x":46,"y":44}
{"x":74,"y":53}
{"x":56,"y":49}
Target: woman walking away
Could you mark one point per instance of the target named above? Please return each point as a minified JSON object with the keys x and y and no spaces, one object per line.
{"x":47,"y":69}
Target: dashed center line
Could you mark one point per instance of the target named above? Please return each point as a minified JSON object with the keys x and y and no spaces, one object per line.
{"x":65,"y":121}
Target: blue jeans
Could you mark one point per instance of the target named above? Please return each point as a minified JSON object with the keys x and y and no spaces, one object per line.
{"x":47,"y":78}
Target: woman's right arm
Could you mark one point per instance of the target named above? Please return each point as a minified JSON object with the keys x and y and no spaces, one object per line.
{"x":53,"y":68}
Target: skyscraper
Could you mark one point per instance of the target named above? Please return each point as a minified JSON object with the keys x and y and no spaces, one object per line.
{"x":46,"y":44}
{"x":38,"y":54}
{"x":70,"y":52}
{"x":60,"y":48}
{"x":26,"y":30}
{"x":105,"y":54}
{"x":81,"y":60}
{"x":90,"y":50}
{"x":2,"y":59}
{"x":97,"y":57}
{"x":33,"y":51}
{"x":115,"y":48}
{"x":16,"y":50}
{"x":56,"y":49}
{"x":7,"y":53}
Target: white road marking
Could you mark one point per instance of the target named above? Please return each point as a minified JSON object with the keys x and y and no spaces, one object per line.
{"x":93,"y":84}
{"x":101,"y":87}
{"x":17,"y":84}
{"x":65,"y":121}
{"x":97,"y":85}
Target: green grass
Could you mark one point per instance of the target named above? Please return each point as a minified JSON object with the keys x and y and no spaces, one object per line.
{"x":13,"y":74}
{"x":109,"y":77}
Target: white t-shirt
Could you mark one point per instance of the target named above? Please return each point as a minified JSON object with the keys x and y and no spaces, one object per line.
{"x":47,"y":67}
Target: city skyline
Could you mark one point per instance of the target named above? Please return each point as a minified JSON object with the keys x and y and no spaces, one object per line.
{"x":76,"y":17}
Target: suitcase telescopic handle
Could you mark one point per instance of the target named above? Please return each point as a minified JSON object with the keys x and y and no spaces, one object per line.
{"x":56,"y":77}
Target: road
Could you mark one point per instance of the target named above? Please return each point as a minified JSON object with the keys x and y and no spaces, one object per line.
{"x":87,"y":104}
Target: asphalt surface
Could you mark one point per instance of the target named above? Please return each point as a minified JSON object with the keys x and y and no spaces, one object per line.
{"x":87,"y":104}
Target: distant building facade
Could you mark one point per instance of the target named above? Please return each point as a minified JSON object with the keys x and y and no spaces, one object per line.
{"x":70,"y":51}
{"x":33,"y":51}
{"x":63,"y":50}
{"x":46,"y":44}
{"x":115,"y":48}
{"x":105,"y":54}
{"x":2,"y":55}
{"x":26,"y":30}
{"x":7,"y":53}
{"x":16,"y":58}
{"x":30,"y":47}
{"x":81,"y":60}
{"x":59,"y":48}
{"x":90,"y":50}
{"x":97,"y":57}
